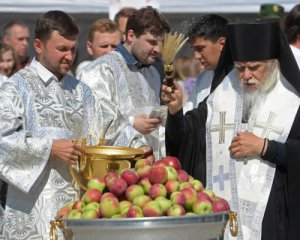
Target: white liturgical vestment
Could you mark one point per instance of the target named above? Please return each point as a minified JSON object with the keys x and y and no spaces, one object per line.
{"x":134,"y":90}
{"x":245,"y":182}
{"x":35,"y":109}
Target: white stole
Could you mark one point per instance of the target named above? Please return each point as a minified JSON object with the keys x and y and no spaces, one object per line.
{"x":245,"y":182}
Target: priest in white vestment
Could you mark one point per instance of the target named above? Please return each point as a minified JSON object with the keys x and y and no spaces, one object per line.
{"x":243,"y":141}
{"x":41,"y":110}
{"x":127,"y":77}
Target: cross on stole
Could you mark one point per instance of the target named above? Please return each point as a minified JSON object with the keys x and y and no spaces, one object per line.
{"x":267,"y":126}
{"x":222,"y":127}
{"x":221,"y":177}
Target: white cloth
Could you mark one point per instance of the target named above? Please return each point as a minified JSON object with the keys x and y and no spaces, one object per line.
{"x":296,"y":52}
{"x":2,"y":79}
{"x":35,"y":109}
{"x":200,"y":91}
{"x":135,"y":91}
{"x":81,"y":66}
{"x":245,"y":182}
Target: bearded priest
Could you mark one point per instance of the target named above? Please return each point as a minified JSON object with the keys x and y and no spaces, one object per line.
{"x":242,"y":141}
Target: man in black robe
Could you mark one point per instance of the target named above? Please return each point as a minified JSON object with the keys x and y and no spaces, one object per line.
{"x":251,"y":47}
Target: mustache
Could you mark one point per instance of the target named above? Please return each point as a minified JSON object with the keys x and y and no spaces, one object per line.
{"x":250,"y":81}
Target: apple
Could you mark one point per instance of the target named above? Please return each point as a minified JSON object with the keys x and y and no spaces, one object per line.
{"x":172,"y":186}
{"x":92,"y":205}
{"x":63,"y":212}
{"x":186,"y":185}
{"x":135,"y":212}
{"x":158,"y":175}
{"x":144,"y":171}
{"x":142,"y":162}
{"x":117,"y":186}
{"x":220,"y":205}
{"x":198,"y":186}
{"x":190,"y":197}
{"x":163,"y":203}
{"x":182,"y":176}
{"x":74,"y":214}
{"x":175,"y":210}
{"x":189,"y":214}
{"x":107,"y":195}
{"x":130,"y":176}
{"x":173,"y":162}
{"x":172,"y":173}
{"x":96,"y":183}
{"x":177,"y":198}
{"x":157,"y":190}
{"x":90,"y":214}
{"x":202,"y":207}
{"x":133,"y":191}
{"x":210,"y":193}
{"x":152,"y":209}
{"x":109,"y":176}
{"x":141,"y":200}
{"x":124,"y":206}
{"x":203,"y":196}
{"x":79,"y":204}
{"x":160,"y":163}
{"x":120,"y":215}
{"x":145,"y":183}
{"x":109,"y":207}
{"x":91,"y":195}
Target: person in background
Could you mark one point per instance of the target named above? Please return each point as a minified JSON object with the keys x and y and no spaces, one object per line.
{"x":121,"y":18}
{"x":9,"y":63}
{"x":292,"y":31}
{"x":42,"y":109}
{"x":207,"y":35}
{"x":126,"y":76}
{"x":104,"y":36}
{"x":243,"y":141}
{"x":16,"y":34}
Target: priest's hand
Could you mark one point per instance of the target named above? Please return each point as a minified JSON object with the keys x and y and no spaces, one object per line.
{"x":246,"y":144}
{"x":66,"y":151}
{"x":144,"y":124}
{"x":172,"y":97}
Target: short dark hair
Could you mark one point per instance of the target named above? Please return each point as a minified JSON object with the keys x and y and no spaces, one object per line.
{"x":124,"y":12}
{"x":147,"y":19}
{"x":292,"y":24}
{"x":55,"y":21}
{"x":8,"y":26}
{"x":210,"y":26}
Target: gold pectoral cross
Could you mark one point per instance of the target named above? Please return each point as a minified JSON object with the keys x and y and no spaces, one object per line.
{"x":222,"y":127}
{"x":267,"y":126}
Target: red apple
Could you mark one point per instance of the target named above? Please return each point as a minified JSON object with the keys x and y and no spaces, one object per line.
{"x":198,"y":186}
{"x":173,"y":162}
{"x":91,"y":195}
{"x":157,"y":190}
{"x":158,"y":175}
{"x":110,"y":176}
{"x":63,"y":212}
{"x":152,"y":209}
{"x":172,"y":186}
{"x":124,"y":206}
{"x":202,"y":207}
{"x":190,"y":197}
{"x":145,"y":183}
{"x":130,"y":176}
{"x":135,"y":212}
{"x":133,"y":191}
{"x":142,"y":162}
{"x":109,"y":207}
{"x":203,"y":196}
{"x":160,"y":163}
{"x":79,"y":204}
{"x":182,"y":176}
{"x":107,"y":195}
{"x":90,"y":214}
{"x":186,"y":185}
{"x":144,"y":171}
{"x":117,"y":186}
{"x":177,"y":198}
{"x":74,"y":214}
{"x":210,"y":193}
{"x":175,"y":210}
{"x":96,"y":183}
{"x":141,"y":200}
{"x":220,"y":205}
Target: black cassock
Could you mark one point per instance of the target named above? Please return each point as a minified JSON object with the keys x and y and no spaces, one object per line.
{"x":185,"y":138}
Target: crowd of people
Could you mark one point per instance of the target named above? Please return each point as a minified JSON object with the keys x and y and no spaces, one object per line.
{"x":225,"y":120}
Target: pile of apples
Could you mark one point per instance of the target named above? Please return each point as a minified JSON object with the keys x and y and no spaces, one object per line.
{"x":149,"y":189}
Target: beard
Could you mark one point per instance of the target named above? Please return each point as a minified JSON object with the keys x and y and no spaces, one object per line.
{"x":253,"y":99}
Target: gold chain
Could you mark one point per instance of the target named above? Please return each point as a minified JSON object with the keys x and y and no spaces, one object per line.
{"x":233,"y":223}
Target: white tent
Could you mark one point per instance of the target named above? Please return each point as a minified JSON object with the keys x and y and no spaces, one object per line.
{"x":166,"y":6}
